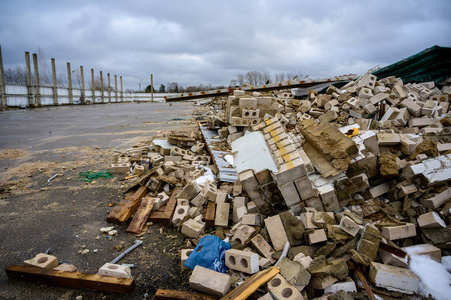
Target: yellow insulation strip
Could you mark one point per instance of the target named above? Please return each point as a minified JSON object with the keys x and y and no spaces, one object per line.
{"x":289,"y":165}
{"x":276,"y":139}
{"x":282,"y":151}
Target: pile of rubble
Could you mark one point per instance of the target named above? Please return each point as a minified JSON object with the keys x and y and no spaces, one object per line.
{"x":351,"y":183}
{"x":325,"y":197}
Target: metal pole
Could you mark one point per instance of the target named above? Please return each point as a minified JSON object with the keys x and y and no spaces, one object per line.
{"x":115,"y":87}
{"x":109,"y":88}
{"x":31,"y":101}
{"x":93,"y":87}
{"x":101,"y":87}
{"x":122,"y":91}
{"x":82,"y":78}
{"x":4,"y":102}
{"x":151,"y":88}
{"x":69,"y":80}
{"x":55,"y":85}
{"x":36,"y":79}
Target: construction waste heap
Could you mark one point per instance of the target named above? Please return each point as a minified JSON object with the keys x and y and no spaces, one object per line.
{"x":328,"y":197}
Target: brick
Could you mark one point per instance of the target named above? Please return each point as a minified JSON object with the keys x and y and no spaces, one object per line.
{"x":193,"y":229}
{"x":210,"y":282}
{"x":242,"y":261}
{"x":425,"y":249}
{"x":437,"y":200}
{"x":378,"y":98}
{"x":317,"y":236}
{"x":348,"y":286}
{"x":222,"y":214}
{"x":393,"y":278}
{"x":304,"y":188}
{"x":430,"y":220}
{"x":282,"y":289}
{"x":42,"y":260}
{"x":262,"y":247}
{"x":399,"y":232}
{"x":289,"y":193}
{"x":115,"y":270}
{"x":379,"y":190}
{"x":276,"y":232}
{"x":349,"y":226}
{"x":121,"y":168}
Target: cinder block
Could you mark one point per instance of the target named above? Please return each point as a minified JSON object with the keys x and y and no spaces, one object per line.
{"x":276,"y":232}
{"x":183,"y":257}
{"x":242,"y":261}
{"x":198,"y":200}
{"x":42,"y":260}
{"x":193,"y":229}
{"x":210,"y":190}
{"x":121,"y":168}
{"x":210,"y":282}
{"x":304,"y":188}
{"x":248,"y":102}
{"x":222,"y":214}
{"x":282,"y":289}
{"x":250,"y":113}
{"x":138,"y":170}
{"x":328,"y":197}
{"x":243,"y":234}
{"x":430,"y":220}
{"x":393,"y":278}
{"x":115,"y":270}
{"x":221,"y":197}
{"x":189,"y":191}
{"x":365,"y":93}
{"x":399,"y":232}
{"x":181,"y":211}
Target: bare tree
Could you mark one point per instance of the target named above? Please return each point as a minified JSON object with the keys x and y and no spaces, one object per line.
{"x":240,"y":79}
{"x":44,"y":72}
{"x":18,"y":76}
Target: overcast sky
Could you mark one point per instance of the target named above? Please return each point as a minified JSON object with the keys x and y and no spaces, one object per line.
{"x":193,"y":42}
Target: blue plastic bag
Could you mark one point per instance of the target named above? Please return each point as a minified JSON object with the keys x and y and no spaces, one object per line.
{"x":209,"y":253}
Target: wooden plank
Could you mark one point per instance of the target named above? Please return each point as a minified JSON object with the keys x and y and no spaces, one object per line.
{"x":369,"y":292}
{"x":249,"y":286}
{"x":156,"y":215}
{"x":112,"y":215}
{"x":141,"y":215}
{"x":166,"y":219}
{"x":210,"y":214}
{"x":169,"y":294}
{"x":129,"y":208}
{"x":72,"y":279}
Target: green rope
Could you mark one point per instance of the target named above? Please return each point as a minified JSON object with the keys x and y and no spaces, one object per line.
{"x":94,"y":175}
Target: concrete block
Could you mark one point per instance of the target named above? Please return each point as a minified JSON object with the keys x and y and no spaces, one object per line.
{"x":315,"y":202}
{"x":138,"y":170}
{"x":266,"y":296}
{"x":365,"y":93}
{"x":294,"y":273}
{"x":412,"y":107}
{"x":348,"y":286}
{"x":42,"y":260}
{"x":262,"y":247}
{"x":221,"y":197}
{"x":250,"y":184}
{"x":181,"y":211}
{"x":242,"y":261}
{"x":250,"y":113}
{"x":369,"y":108}
{"x":210,"y":190}
{"x":306,"y":219}
{"x":430,"y":220}
{"x":393,"y":278}
{"x":198,"y":200}
{"x":321,"y":283}
{"x":304,"y":188}
{"x":252,"y":207}
{"x":392,"y":260}
{"x":305,"y":261}
{"x":243,"y":234}
{"x":189,"y":191}
{"x":378,"y":98}
{"x":290,"y":172}
{"x":388,"y":139}
{"x":185,"y":253}
{"x":437,"y":200}
{"x":121,"y":168}
{"x":400,"y":92}
{"x":115,"y":270}
{"x":399,"y":232}
{"x":264,"y":101}
{"x":425,"y":249}
{"x":163,"y":197}
{"x":210,"y":282}
{"x":276,"y":232}
{"x":329,"y":197}
{"x":193,"y":229}
{"x":282,"y":289}
{"x":222,"y":214}
{"x":317,"y":236}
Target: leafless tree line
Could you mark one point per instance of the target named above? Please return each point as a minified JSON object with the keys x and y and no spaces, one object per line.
{"x":263,"y":77}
